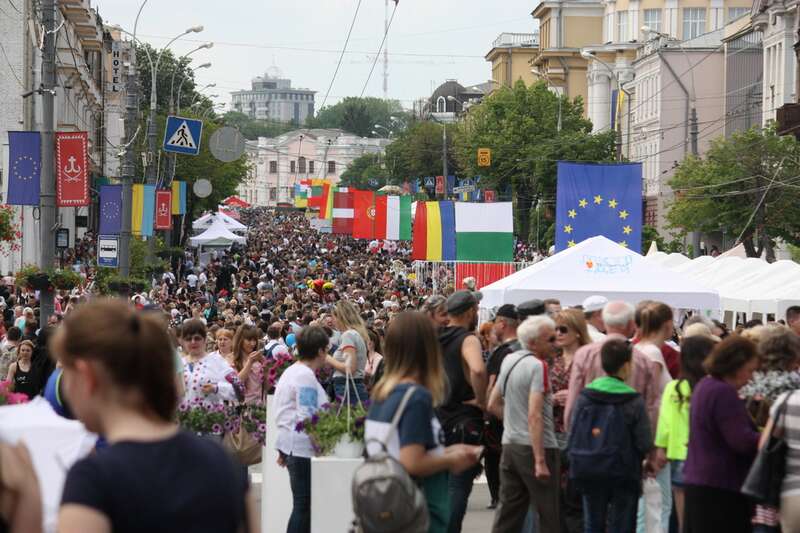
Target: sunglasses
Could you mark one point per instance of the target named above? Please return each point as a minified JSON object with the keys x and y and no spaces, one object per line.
{"x":562,"y":329}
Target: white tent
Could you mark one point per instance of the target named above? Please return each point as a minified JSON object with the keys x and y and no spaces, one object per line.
{"x":217,"y":235}
{"x":207,"y":220}
{"x":600,"y":266}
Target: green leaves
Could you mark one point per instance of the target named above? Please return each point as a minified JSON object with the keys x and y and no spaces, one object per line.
{"x":360,"y":115}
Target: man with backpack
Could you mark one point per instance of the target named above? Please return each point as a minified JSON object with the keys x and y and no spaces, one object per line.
{"x":609,"y":439}
{"x":274,"y":346}
{"x":530,"y":462}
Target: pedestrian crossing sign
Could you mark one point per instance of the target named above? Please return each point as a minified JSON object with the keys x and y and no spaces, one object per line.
{"x":182,"y":135}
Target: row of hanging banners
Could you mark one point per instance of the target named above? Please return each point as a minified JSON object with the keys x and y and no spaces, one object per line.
{"x":152,"y":207}
{"x":441,"y":230}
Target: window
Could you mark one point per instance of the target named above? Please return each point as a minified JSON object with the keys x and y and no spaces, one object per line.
{"x":273,"y":167}
{"x":331,"y":167}
{"x":736,"y":12}
{"x":272,"y":194}
{"x":441,"y":105}
{"x":292,"y":167}
{"x":311,"y":166}
{"x":694,"y":22}
{"x":622,"y":26}
{"x":652,"y":19}
{"x":302,"y":165}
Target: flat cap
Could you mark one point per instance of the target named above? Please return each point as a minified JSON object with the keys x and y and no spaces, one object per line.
{"x":461,"y":301}
{"x":507,"y":311}
{"x":530,"y":308}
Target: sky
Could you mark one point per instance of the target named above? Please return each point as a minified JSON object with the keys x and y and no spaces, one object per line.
{"x":430,"y":41}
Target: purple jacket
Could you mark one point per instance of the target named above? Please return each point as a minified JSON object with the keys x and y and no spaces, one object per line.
{"x":722,"y":438}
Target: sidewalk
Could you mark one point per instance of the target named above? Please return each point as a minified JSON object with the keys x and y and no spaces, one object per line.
{"x":479,"y":518}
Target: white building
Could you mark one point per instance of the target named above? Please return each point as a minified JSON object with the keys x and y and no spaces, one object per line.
{"x":273,"y":98}
{"x":277,"y":164}
{"x":777,"y":21}
{"x":83,"y":75}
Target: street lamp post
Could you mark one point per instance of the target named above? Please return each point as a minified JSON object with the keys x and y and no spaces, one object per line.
{"x":177,"y":67}
{"x":180,"y":85}
{"x":589,"y":55}
{"x":547,"y":78}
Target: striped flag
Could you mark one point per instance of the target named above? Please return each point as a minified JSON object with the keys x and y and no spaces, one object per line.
{"x":381,"y":217}
{"x":143,"y":209}
{"x":434,"y":232}
{"x":178,"y":197}
{"x":326,"y":205}
{"x":484,"y":232}
{"x":343,"y":211}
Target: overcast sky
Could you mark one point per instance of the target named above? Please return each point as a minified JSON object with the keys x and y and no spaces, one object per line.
{"x":429,"y":42}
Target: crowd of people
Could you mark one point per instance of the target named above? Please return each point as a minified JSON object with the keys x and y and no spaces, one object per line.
{"x":599,"y":417}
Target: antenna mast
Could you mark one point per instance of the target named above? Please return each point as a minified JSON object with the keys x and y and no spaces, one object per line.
{"x":386,"y":51}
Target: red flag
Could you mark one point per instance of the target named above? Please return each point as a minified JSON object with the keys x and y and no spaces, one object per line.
{"x":72,"y":176}
{"x":488,"y":195}
{"x":439,"y":184}
{"x":419,"y":249}
{"x":363,"y":214}
{"x":342,"y":212}
{"x":380,"y":217}
{"x":163,"y":209}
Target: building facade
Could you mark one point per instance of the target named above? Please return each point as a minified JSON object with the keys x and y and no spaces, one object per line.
{"x":278,"y":164}
{"x":777,"y":22}
{"x":85,"y":75}
{"x":272,"y":97}
{"x":511,"y":57}
{"x":744,"y":76}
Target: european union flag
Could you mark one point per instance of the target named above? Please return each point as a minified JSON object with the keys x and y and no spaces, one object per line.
{"x":25,"y":160}
{"x":110,"y":209}
{"x":599,"y":199}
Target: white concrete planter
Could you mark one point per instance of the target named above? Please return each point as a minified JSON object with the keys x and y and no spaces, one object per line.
{"x":347,"y":448}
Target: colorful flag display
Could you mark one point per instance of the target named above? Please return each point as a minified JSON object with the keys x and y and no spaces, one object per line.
{"x":434,"y":232}
{"x":382,"y":217}
{"x":25,"y":160}
{"x":301,"y":196}
{"x":599,"y":199}
{"x":484,"y":232}
{"x":343,"y":211}
{"x":143,"y":210}
{"x":326,"y":204}
{"x":110,"y":209}
{"x":178,"y":197}
{"x":72,"y":176}
{"x":163,"y":209}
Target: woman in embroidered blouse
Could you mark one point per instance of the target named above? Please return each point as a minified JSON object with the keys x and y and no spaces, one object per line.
{"x":224,"y":344}
{"x":248,"y":361}
{"x":207,"y":377}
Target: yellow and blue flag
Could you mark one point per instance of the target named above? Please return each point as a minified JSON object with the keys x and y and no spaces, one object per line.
{"x":178,"y":197}
{"x":599,"y":199}
{"x":143,"y":209}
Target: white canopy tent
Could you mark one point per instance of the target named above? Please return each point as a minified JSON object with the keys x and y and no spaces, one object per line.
{"x":207,"y":220}
{"x":600,"y":266}
{"x":217,"y":235}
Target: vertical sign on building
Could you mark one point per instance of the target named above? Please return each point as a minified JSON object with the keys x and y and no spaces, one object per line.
{"x":116,"y":67}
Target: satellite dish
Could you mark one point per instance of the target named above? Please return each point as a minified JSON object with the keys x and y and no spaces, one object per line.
{"x":227,"y":144}
{"x":202,"y":188}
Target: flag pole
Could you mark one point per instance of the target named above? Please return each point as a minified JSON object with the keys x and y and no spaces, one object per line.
{"x":47,"y":204}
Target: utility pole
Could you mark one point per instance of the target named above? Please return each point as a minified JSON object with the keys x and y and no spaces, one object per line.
{"x":386,"y":51}
{"x":693,"y":134}
{"x":128,"y":163}
{"x":47,"y":199}
{"x":444,"y":155}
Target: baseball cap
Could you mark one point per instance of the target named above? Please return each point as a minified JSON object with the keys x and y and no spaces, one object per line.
{"x":594,"y":303}
{"x":460,"y":301}
{"x":530,"y":308}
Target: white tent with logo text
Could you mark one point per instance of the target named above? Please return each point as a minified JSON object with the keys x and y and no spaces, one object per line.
{"x":218,"y":235}
{"x":600,"y":266}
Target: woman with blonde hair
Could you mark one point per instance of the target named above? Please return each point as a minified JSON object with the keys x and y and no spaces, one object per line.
{"x":223,"y":338}
{"x":349,"y":361}
{"x":572,"y":332}
{"x":119,"y":378}
{"x":248,"y":361}
{"x":414,"y":376}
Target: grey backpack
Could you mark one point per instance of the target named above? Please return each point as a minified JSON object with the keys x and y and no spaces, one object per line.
{"x":385,"y":498}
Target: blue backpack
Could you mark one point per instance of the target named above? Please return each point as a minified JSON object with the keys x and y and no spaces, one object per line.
{"x":601,"y":445}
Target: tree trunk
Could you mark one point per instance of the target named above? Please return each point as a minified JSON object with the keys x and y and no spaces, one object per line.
{"x":749,"y":247}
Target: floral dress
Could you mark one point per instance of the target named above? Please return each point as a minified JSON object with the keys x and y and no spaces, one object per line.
{"x":559,"y":380}
{"x":215,"y":370}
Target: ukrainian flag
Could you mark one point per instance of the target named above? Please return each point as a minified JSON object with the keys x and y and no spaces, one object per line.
{"x":178,"y":197}
{"x":143,"y":209}
{"x":435,"y":232}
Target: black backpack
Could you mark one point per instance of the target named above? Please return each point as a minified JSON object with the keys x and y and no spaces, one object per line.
{"x":600,"y":445}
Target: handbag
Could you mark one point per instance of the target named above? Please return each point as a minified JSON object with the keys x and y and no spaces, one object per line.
{"x":764,"y":480}
{"x":246,"y":449}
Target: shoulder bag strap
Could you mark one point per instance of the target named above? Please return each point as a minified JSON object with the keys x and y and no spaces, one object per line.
{"x":505,"y":381}
{"x":781,"y":414}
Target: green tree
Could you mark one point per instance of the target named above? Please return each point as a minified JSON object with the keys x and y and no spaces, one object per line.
{"x":360,"y":115}
{"x":417,"y":152}
{"x":366,"y":172}
{"x":252,"y":129}
{"x":744,"y":186}
{"x":169,"y":64}
{"x":521,"y":126}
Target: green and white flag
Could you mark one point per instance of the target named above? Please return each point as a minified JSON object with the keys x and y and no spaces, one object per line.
{"x":484,"y":231}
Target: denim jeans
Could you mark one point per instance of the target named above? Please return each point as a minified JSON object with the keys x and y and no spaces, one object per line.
{"x":611,"y":506}
{"x":300,"y":480}
{"x":460,"y":488}
{"x":357,"y":393}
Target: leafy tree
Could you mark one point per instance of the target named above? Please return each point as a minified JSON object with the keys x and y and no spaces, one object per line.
{"x":417,"y":152}
{"x":742,"y":185}
{"x":253,"y":128}
{"x":521,"y":126}
{"x":360,"y":115}
{"x":169,"y":64}
{"x":366,"y":172}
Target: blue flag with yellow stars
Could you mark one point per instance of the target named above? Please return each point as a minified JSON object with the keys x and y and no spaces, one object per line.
{"x":599,"y":199}
{"x":25,"y":167}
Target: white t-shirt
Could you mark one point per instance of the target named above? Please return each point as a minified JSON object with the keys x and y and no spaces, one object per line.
{"x":298,"y":395}
{"x":653,"y":352}
{"x":191,"y":279}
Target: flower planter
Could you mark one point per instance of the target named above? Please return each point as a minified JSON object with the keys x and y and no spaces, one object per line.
{"x":39,"y":282}
{"x":347,"y":448}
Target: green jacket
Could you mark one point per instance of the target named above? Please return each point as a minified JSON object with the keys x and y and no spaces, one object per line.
{"x":672,"y":432}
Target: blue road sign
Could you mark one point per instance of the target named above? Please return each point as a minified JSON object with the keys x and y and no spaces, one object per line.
{"x":108,"y":251}
{"x":182,"y":135}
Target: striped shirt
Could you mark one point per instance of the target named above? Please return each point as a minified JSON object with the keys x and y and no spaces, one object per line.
{"x":790,"y":423}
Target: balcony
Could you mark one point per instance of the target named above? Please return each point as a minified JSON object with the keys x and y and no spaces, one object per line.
{"x":788,"y":120}
{"x":516,"y":40}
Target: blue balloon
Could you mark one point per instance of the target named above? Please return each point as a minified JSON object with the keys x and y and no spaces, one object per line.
{"x":290,"y":340}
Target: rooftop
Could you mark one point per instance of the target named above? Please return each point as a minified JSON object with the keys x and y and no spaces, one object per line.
{"x":516,"y":40}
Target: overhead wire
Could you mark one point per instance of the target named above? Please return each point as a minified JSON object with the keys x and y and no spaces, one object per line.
{"x":378,"y":54}
{"x":341,"y":56}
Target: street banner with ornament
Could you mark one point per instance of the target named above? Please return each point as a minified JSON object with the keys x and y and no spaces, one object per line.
{"x":72,"y":177}
{"x":163,"y":209}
